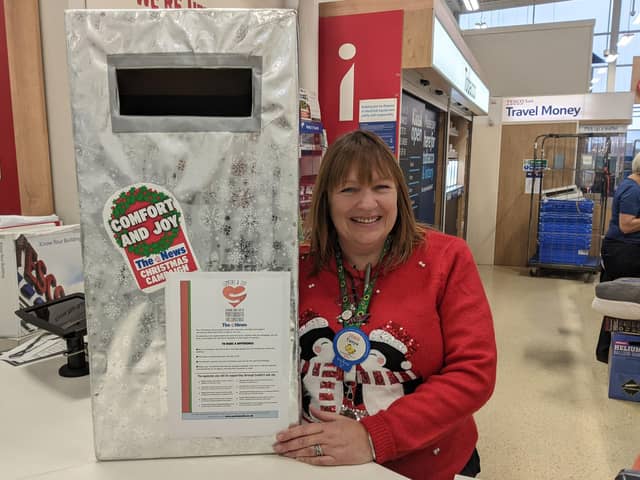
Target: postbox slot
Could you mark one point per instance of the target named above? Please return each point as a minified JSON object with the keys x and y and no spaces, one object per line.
{"x":191,"y":92}
{"x":185,"y":92}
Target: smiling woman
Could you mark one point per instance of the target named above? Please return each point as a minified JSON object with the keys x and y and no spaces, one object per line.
{"x":397,"y":348}
{"x":360,"y":182}
{"x":363,"y":215}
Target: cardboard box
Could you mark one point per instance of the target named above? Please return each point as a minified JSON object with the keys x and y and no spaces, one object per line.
{"x":37,"y":265}
{"x":624,"y":367}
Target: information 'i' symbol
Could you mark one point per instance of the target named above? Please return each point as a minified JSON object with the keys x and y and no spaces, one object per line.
{"x":346,"y":52}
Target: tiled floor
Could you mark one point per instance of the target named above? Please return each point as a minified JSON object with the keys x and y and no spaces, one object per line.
{"x":550,"y":417}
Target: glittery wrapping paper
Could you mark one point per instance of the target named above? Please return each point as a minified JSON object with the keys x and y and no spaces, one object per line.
{"x":238,"y":193}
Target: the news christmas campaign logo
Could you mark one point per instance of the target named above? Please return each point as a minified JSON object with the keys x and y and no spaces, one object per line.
{"x":145,"y":224}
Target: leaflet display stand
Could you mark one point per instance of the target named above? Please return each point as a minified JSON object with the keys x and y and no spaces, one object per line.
{"x":66,"y":318}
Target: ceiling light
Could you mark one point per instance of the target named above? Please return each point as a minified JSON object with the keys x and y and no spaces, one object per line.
{"x":595,"y":80}
{"x":625,"y":39}
{"x":482,"y":24}
{"x":471,"y":5}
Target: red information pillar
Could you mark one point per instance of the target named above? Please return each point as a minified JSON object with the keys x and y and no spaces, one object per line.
{"x":360,"y":74}
{"x":9,"y":189}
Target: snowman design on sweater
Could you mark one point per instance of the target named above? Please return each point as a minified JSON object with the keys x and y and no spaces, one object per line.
{"x":386,"y":373}
{"x":321,"y":379}
{"x":383,"y":377}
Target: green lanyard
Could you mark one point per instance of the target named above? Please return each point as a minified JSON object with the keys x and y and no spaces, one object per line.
{"x":355,"y":316}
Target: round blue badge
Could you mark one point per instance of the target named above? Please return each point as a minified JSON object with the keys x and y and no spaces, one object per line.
{"x":351,"y":347}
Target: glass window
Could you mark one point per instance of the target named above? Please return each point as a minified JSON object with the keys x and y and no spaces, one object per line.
{"x":625,"y":19}
{"x":575,"y":10}
{"x":571,"y":10}
{"x":497,"y":18}
{"x":635,"y":125}
{"x":627,"y":52}
{"x":564,"y":11}
{"x":600,"y":43}
{"x":599,"y":79}
{"x":623,"y":79}
{"x":511,"y":16}
{"x":468,"y":20}
{"x":633,"y":141}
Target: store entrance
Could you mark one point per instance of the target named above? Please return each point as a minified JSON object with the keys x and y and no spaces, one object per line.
{"x":456,"y":176}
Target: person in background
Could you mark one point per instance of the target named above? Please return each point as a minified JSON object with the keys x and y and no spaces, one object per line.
{"x":401,"y":307}
{"x":621,"y":245}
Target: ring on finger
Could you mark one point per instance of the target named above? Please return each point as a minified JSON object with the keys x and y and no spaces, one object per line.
{"x":317,"y":450}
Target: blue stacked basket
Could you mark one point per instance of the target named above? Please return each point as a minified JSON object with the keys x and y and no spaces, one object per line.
{"x":564,"y":231}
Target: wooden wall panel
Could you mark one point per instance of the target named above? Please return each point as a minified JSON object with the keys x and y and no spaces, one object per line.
{"x":597,"y":234}
{"x":354,"y":7}
{"x":28,"y":105}
{"x":416,"y":30}
{"x":635,"y":79}
{"x":418,"y":26}
{"x":513,"y":204}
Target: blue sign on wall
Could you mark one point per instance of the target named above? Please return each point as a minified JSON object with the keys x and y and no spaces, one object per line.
{"x":417,"y":156}
{"x":385,"y":130}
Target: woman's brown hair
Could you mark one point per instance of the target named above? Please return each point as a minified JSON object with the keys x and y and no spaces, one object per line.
{"x":367,"y":153}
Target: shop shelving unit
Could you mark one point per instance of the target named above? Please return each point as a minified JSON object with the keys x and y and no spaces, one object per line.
{"x":567,"y":230}
{"x":311,"y":148}
{"x":456,"y":175}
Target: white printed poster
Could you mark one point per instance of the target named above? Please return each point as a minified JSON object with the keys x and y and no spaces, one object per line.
{"x":532,"y":183}
{"x":228,"y":363}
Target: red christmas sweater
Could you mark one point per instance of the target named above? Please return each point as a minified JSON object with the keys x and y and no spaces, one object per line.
{"x":432,"y":361}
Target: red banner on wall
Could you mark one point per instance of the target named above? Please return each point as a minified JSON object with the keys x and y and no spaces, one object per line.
{"x":360,"y":73}
{"x":9,"y":189}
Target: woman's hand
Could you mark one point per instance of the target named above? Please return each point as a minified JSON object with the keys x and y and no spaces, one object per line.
{"x":342,"y":441}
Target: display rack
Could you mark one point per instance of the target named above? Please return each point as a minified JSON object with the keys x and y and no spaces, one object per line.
{"x":313,"y":144}
{"x":567,"y":221}
{"x":310,"y":155}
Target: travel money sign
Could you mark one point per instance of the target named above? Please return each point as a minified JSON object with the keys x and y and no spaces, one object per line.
{"x":611,"y":106}
{"x":548,"y":108}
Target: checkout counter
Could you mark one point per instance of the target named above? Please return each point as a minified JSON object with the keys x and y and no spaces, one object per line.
{"x":47,"y":434}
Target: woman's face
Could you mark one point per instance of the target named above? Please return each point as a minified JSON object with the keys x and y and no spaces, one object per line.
{"x":364,"y":214}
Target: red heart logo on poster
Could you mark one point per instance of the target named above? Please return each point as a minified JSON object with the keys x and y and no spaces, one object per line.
{"x":235,"y":295}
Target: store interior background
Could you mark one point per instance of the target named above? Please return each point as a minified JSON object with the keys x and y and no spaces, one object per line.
{"x":525,"y":50}
{"x":550,"y":416}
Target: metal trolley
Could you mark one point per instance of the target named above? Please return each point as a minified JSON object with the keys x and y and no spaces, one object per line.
{"x":567,"y":232}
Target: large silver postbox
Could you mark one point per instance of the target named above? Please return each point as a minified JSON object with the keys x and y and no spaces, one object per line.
{"x":186,"y":131}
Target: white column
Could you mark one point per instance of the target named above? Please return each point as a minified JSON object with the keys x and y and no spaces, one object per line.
{"x":308,"y":44}
{"x":613,"y":44}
